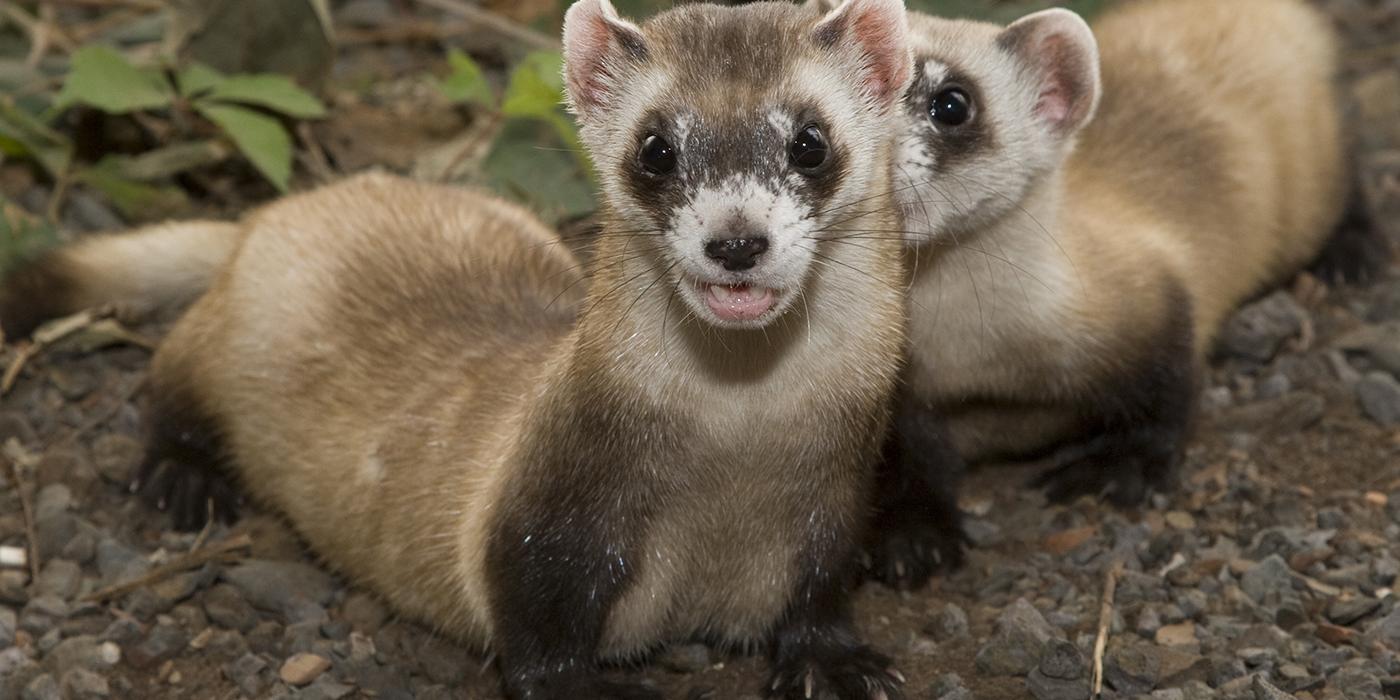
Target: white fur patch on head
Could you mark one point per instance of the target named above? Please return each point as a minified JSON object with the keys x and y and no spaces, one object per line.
{"x":933,"y":71}
{"x":781,"y":120}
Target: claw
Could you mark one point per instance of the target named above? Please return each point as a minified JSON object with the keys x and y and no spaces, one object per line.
{"x":807,"y":685}
{"x":895,"y":674}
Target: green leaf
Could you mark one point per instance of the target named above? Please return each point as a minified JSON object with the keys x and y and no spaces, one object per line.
{"x":259,"y":137}
{"x":136,"y":200}
{"x":21,"y":236}
{"x":466,"y":83}
{"x":274,"y":92}
{"x":528,"y":164}
{"x":22,"y":134}
{"x":536,"y":87}
{"x":197,"y":78}
{"x":536,"y":91}
{"x":104,"y":79}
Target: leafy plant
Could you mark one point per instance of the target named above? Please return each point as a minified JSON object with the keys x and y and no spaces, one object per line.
{"x":238,"y":105}
{"x":21,"y":235}
{"x":537,"y":157}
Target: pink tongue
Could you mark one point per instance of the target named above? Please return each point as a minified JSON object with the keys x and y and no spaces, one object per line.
{"x":743,"y":303}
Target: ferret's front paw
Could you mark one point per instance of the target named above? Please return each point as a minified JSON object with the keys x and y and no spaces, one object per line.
{"x":190,"y":492}
{"x":858,"y":673}
{"x":907,"y":549}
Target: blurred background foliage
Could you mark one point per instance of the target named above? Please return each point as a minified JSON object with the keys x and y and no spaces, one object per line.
{"x":119,"y":112}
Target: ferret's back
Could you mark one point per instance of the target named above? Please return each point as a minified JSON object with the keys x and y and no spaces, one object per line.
{"x":1222,"y":119}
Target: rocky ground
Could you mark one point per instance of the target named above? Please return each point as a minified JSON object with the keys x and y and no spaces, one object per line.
{"x":1268,"y":574}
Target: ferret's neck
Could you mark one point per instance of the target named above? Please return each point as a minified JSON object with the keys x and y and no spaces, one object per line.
{"x":1037,"y":215}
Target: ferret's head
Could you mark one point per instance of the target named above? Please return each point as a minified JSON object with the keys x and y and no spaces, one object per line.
{"x":727,"y":139}
{"x":990,"y":111}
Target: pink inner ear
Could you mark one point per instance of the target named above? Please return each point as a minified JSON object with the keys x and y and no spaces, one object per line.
{"x":883,"y":39}
{"x":585,"y":59}
{"x":1059,"y":95}
{"x":1053,"y":105}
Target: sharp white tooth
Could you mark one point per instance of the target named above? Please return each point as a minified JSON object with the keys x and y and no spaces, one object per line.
{"x":720,"y":291}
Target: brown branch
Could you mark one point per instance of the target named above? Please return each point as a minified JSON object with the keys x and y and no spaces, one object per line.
{"x":490,"y":20}
{"x":1110,"y":585}
{"x":41,"y":33}
{"x":26,"y":508}
{"x":46,"y":336}
{"x":190,"y":560}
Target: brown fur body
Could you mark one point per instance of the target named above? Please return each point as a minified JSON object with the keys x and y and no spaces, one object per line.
{"x":396,"y":415}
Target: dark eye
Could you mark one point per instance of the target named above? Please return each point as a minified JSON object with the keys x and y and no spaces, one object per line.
{"x":808,"y":148}
{"x":656,"y":156}
{"x":951,"y":107}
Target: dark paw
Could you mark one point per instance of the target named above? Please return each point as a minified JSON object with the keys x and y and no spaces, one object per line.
{"x":907,"y":549}
{"x":191,"y":494}
{"x":858,"y":673}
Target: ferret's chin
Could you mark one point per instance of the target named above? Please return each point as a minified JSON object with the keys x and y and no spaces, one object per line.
{"x":733,"y":306}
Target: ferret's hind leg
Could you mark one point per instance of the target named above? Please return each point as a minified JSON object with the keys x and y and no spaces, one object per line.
{"x":1358,"y":252}
{"x":917,"y":529}
{"x":1140,"y":424}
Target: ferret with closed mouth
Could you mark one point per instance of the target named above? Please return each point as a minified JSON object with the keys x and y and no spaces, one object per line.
{"x":415,"y":377}
{"x":1086,"y":207}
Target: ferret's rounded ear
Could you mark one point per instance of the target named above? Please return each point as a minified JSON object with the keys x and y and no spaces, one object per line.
{"x":1060,"y":47}
{"x":598,"y":45}
{"x":879,"y":30}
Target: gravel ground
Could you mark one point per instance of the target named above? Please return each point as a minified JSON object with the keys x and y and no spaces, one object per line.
{"x":1268,"y":574}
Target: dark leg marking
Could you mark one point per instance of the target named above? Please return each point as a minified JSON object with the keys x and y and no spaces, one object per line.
{"x":184,"y":469}
{"x":1359,"y":252}
{"x":561,"y":554}
{"x":816,"y":650}
{"x":1139,"y":430}
{"x":917,"y":530}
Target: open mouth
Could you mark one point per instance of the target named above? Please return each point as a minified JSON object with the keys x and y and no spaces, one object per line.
{"x":739,"y":302}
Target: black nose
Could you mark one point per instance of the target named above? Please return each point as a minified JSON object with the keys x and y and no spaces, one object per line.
{"x":737,"y":254}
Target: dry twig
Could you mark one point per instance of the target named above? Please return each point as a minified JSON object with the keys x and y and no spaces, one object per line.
{"x":208,"y":526}
{"x":41,"y":31}
{"x":1110,"y":585}
{"x":495,"y":22}
{"x":190,"y":560}
{"x":26,"y":508}
{"x":56,"y":331}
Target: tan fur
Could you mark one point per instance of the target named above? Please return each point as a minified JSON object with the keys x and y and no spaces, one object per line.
{"x":1215,"y":161}
{"x":368,"y":355}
